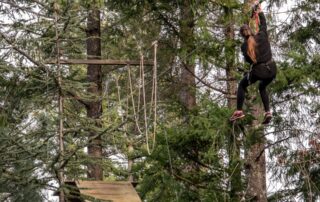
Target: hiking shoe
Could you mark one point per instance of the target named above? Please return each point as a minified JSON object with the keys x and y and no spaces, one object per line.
{"x":267,"y":118}
{"x":237,"y":115}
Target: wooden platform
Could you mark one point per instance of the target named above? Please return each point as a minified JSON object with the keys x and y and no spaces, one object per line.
{"x":108,"y":191}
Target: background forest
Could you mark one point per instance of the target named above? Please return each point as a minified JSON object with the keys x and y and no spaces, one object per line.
{"x":162,"y":120}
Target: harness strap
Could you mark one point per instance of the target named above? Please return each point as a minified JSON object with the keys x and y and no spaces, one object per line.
{"x":262,"y":63}
{"x":249,"y":73}
{"x":266,"y":63}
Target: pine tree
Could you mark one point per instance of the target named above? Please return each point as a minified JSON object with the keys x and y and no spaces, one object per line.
{"x":193,"y":158}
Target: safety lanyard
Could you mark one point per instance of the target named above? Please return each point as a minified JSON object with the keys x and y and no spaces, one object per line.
{"x":257,"y":21}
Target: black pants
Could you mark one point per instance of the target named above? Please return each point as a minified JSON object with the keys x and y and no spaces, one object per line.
{"x":264,"y":73}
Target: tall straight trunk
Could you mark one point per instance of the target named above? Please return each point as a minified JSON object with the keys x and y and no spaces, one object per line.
{"x":94,"y":76}
{"x":234,"y":143}
{"x":254,"y":155}
{"x":256,"y":160}
{"x":187,"y":80}
{"x":188,"y":83}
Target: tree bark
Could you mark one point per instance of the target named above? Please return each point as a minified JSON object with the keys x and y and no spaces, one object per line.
{"x":256,"y":160}
{"x":235,"y":165}
{"x":94,"y":76}
{"x":188,"y":82}
{"x":187,"y":94}
{"x":254,"y":155}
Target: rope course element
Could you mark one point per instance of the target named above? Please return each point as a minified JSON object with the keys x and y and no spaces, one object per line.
{"x":153,"y":103}
{"x":143,"y":102}
{"x":136,"y":118}
{"x":154,"y":90}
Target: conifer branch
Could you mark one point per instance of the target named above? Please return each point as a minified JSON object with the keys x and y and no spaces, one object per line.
{"x":202,"y":81}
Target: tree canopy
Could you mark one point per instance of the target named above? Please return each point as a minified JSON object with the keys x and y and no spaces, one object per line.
{"x":163,"y":123}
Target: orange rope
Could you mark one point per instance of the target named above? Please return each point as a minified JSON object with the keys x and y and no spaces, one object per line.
{"x":256,"y":15}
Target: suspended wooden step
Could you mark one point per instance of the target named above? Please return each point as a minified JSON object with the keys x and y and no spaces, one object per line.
{"x":104,"y":191}
{"x":98,"y":62}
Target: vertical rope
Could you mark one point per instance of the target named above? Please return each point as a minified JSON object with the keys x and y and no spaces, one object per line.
{"x":139,"y":85}
{"x":257,"y":21}
{"x":153,"y":102}
{"x":119,"y":98}
{"x":155,"y":89}
{"x":136,"y":118}
{"x":144,"y":104}
{"x":121,"y":108}
{"x":170,"y":159}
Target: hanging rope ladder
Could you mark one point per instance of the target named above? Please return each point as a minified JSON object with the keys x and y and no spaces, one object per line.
{"x":142,"y":93}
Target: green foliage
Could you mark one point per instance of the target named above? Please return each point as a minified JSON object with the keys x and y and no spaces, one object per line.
{"x":23,"y":144}
{"x":187,"y":162}
{"x":191,"y":159}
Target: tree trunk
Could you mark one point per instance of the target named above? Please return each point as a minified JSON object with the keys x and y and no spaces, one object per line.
{"x":94,"y":76}
{"x":188,"y":83}
{"x":254,"y":155}
{"x":187,"y":94}
{"x":256,"y":160}
{"x":234,"y":142}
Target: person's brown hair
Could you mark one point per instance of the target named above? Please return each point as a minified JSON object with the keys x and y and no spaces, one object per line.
{"x":246,"y":32}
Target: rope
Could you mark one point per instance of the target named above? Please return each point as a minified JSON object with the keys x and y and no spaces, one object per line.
{"x":119,"y":98}
{"x":153,"y":102}
{"x":257,"y":21}
{"x":142,"y":85}
{"x":155,"y":89}
{"x":170,"y":160}
{"x":136,"y":118}
{"x":168,"y":149}
{"x":256,"y":15}
{"x":120,"y":109}
{"x":144,"y":103}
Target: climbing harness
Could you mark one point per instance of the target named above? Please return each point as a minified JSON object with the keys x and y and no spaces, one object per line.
{"x":266,"y":64}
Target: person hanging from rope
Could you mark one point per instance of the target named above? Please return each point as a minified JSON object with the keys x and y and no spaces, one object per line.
{"x":257,"y":52}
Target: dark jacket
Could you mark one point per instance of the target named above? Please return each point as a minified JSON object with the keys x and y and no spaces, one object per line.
{"x":263,"y":49}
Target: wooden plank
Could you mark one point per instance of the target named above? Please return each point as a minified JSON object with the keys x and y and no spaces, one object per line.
{"x":98,"y":62}
{"x":113,"y":191}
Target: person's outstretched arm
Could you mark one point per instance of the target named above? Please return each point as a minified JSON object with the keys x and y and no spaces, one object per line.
{"x":263,"y":23}
{"x":258,"y":10}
